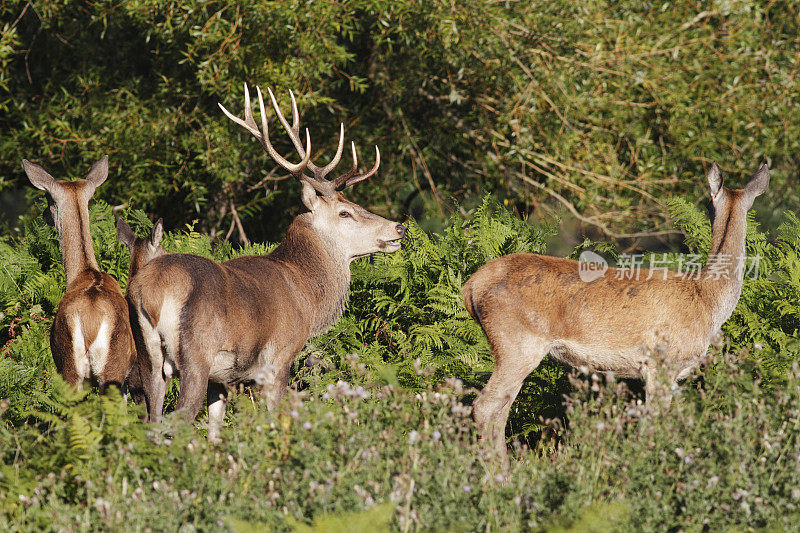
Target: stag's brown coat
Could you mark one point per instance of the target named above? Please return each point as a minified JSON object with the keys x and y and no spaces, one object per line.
{"x":532,"y":305}
{"x":91,"y":335}
{"x":245,"y":320}
{"x":142,"y":251}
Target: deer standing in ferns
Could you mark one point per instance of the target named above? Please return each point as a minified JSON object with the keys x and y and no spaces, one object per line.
{"x":91,"y":335}
{"x":532,"y":305}
{"x":142,"y":251}
{"x":245,"y":320}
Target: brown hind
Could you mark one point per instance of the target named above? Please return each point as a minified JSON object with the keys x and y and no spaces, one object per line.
{"x":91,"y":335}
{"x":533,"y":305}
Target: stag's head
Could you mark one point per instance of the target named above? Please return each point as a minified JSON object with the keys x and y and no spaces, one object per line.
{"x":142,"y":249}
{"x":355,"y":231}
{"x":65,"y":199}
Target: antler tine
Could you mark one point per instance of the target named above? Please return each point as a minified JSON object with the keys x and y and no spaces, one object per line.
{"x":295,"y":113}
{"x":340,"y":182}
{"x":350,"y":181}
{"x":294,"y":130}
{"x":294,"y":133}
{"x":305,"y":154}
{"x":320,"y":173}
{"x":248,"y":123}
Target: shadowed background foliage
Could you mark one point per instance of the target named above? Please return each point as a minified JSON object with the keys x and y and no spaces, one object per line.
{"x":593,"y":111}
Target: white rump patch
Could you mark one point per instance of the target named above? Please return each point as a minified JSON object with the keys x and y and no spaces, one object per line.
{"x":80,"y":356}
{"x":168,"y":327}
{"x":98,"y":351}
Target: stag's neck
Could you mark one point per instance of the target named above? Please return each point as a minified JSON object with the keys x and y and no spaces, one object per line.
{"x":723,"y":274}
{"x":77,"y":250}
{"x":324,"y":271}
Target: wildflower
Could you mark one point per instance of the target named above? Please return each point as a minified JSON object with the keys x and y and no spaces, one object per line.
{"x":436,"y":435}
{"x":412,"y":437}
{"x":306,"y":425}
{"x":466,"y":488}
{"x":326,"y":396}
{"x":294,"y":414}
{"x":102,"y":506}
{"x":454,"y":384}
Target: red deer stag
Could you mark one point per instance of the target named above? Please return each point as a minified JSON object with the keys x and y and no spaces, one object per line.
{"x":245,"y":320}
{"x":91,"y":335}
{"x":142,"y":250}
{"x":532,"y":305}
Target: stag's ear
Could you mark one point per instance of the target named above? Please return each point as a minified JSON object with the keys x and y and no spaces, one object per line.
{"x":757,"y":184}
{"x":157,"y":233}
{"x":125,"y":233}
{"x":99,"y":172}
{"x":714,"y":182}
{"x":38,"y":176}
{"x":309,"y":197}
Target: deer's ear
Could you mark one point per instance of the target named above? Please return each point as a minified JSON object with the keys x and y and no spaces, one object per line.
{"x":99,"y":172}
{"x":125,"y":233}
{"x":758,"y":183}
{"x":714,"y":181}
{"x":157,"y":233}
{"x":309,"y":197}
{"x":38,"y":176}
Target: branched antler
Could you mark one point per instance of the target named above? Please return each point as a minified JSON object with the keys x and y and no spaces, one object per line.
{"x":319,"y":181}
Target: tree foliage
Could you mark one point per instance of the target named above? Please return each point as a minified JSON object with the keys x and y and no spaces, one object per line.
{"x":597,"y":109}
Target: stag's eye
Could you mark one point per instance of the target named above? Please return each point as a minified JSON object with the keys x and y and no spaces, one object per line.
{"x":345,"y":214}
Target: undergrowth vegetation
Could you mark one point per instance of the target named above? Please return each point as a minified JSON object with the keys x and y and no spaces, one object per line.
{"x":378,"y":432}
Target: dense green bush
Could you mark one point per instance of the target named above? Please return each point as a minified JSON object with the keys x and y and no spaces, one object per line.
{"x":598,"y":108}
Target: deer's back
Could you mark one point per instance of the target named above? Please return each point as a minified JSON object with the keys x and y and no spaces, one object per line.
{"x":545,"y":296}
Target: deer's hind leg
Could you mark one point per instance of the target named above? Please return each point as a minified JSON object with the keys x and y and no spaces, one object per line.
{"x":195,"y":355}
{"x":120,"y":358}
{"x":150,"y":362}
{"x":515,"y":357}
{"x":62,"y":345}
